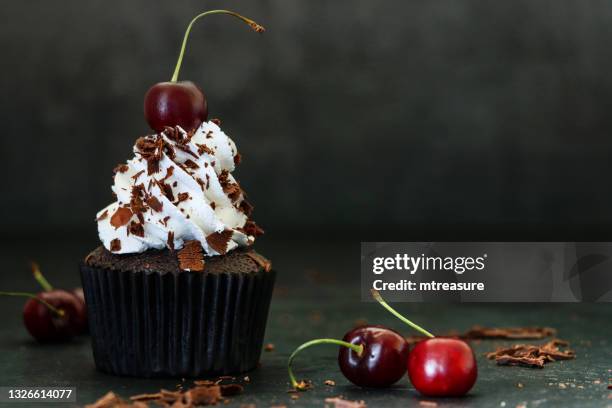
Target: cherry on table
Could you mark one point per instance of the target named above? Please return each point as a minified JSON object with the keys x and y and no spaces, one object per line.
{"x":442,"y":367}
{"x":383,"y":360}
{"x":369,"y":356}
{"x":182,"y":103}
{"x":65,"y":320}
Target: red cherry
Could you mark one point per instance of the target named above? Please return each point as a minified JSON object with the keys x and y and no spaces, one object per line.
{"x":175,"y":104}
{"x":61,"y":323}
{"x":383,"y":360}
{"x":442,"y":367}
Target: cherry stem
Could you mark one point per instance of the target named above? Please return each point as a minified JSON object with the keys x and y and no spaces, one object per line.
{"x":54,"y":309}
{"x":40,"y":278}
{"x":357,"y":348}
{"x":256,"y":27}
{"x":395,"y":313}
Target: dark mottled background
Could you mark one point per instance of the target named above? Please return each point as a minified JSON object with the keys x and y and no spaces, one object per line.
{"x":362,"y":119}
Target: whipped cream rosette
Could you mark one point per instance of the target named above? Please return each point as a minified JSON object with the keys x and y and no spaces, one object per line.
{"x":177,"y":189}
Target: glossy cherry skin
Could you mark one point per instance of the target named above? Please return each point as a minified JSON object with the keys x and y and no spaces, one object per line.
{"x":442,"y":367}
{"x":383,"y":361}
{"x":47,"y":326}
{"x":175,"y":104}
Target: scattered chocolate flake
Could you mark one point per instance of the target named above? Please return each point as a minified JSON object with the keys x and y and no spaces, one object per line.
{"x":216,"y":121}
{"x":246,"y":208}
{"x":135,"y":176}
{"x":515,"y":333}
{"x":166,"y":190}
{"x":338,"y":402}
{"x":115,"y":245}
{"x":171,"y":240}
{"x":529,"y":355}
{"x":146,"y":397}
{"x":269,"y":347}
{"x":169,"y":173}
{"x":260,"y":260}
{"x":237,"y":159}
{"x":102,"y":216}
{"x":182,"y":197}
{"x":165,"y":221}
{"x":136,"y":228}
{"x":330,"y":383}
{"x":202,"y":148}
{"x":232,"y":189}
{"x":252,"y":229}
{"x":213,"y":205}
{"x":191,"y":164}
{"x":218,"y":241}
{"x":191,"y":257}
{"x":209,"y":395}
{"x":121,"y":168}
{"x":121,"y":217}
{"x":150,"y":149}
{"x":111,"y":400}
{"x":154,"y":203}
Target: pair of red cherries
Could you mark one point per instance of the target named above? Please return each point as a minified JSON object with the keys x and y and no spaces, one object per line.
{"x":375,"y":356}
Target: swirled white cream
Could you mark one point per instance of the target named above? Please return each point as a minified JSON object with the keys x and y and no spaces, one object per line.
{"x":178,"y":188}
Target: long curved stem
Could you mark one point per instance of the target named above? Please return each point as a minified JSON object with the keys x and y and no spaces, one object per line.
{"x":54,"y":309}
{"x":40,"y":278}
{"x":395,"y":313}
{"x":357,"y":348}
{"x":256,"y":27}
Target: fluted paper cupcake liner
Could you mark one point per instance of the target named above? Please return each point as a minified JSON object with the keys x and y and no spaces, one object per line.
{"x":186,"y":324}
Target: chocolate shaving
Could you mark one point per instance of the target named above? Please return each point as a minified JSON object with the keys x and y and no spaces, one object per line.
{"x":237,"y":159}
{"x":121,"y":217}
{"x":191,"y":164}
{"x":218,"y":241}
{"x":102,"y":216}
{"x":246,"y":208}
{"x":151,"y":150}
{"x":230,"y":390}
{"x":121,"y":168}
{"x":136,"y":228}
{"x":171,"y":240}
{"x":216,"y":121}
{"x":190,"y":257}
{"x":210,"y":395}
{"x":529,"y":355}
{"x":213,"y":205}
{"x":182,"y":197}
{"x":230,"y":188}
{"x":338,"y":402}
{"x":155,"y":204}
{"x":135,"y":176}
{"x":166,"y":190}
{"x":252,"y":229}
{"x":260,"y":260}
{"x":478,"y":332}
{"x":202,"y":148}
{"x":115,"y":245}
{"x":169,"y":172}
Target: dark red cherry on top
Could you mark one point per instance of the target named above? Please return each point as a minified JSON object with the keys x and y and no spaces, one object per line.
{"x":65,"y":319}
{"x":442,"y":367}
{"x":175,"y":104}
{"x":382,"y":361}
{"x":182,"y":103}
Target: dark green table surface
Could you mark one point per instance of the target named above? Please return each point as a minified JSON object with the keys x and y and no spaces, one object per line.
{"x":317,"y":295}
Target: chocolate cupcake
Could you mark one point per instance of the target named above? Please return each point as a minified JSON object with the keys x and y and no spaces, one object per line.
{"x":176,"y":288}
